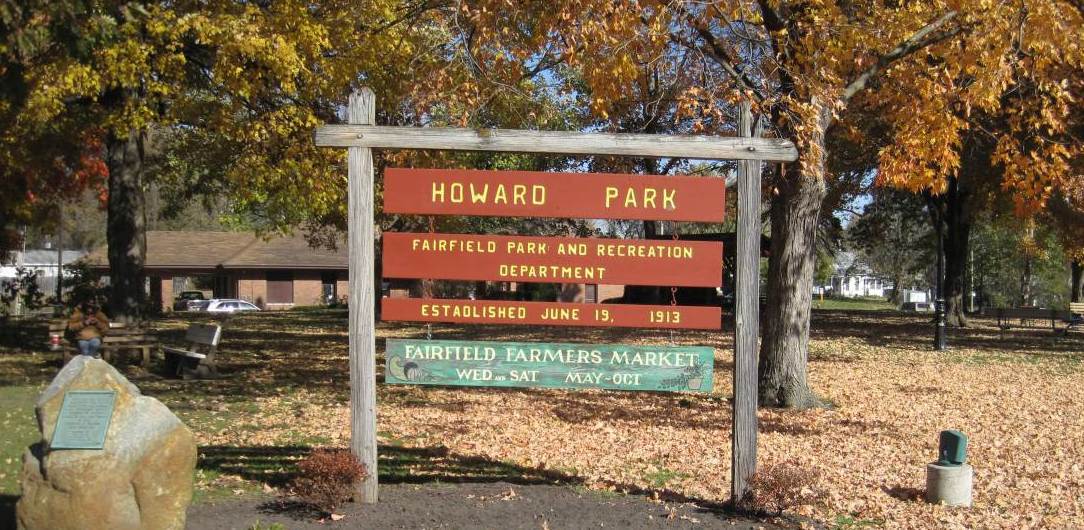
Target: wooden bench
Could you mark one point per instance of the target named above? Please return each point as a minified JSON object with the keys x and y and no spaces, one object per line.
{"x":118,"y":338}
{"x":1076,"y":316}
{"x":198,"y":359}
{"x":1025,"y":316}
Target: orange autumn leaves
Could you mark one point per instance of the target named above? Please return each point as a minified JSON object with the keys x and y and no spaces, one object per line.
{"x":1017,"y":62}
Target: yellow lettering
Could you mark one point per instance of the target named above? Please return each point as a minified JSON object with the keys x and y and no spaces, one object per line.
{"x":519,"y":194}
{"x":438,"y":192}
{"x":649,"y":197}
{"x":479,"y":196}
{"x":538,"y":194}
{"x":630,"y":198}
{"x":611,"y":194}
{"x":668,"y":199}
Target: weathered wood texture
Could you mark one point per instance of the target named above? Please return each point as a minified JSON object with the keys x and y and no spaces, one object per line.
{"x":540,"y":365}
{"x":557,"y":142}
{"x":362,"y":110}
{"x":747,"y":319}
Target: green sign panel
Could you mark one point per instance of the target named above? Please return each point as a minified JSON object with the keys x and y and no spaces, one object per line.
{"x":520,"y":364}
{"x":84,"y":419}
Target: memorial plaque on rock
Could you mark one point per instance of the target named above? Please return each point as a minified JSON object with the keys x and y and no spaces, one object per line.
{"x":84,"y":419}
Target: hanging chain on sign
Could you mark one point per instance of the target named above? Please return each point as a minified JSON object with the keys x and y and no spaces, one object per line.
{"x":673,"y":289}
{"x":429,"y":327}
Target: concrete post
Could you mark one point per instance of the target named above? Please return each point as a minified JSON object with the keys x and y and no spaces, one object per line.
{"x":950,"y":485}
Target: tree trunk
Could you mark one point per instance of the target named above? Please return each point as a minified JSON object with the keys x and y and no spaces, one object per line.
{"x":423,"y":288}
{"x":1025,"y":283}
{"x":956,"y":242}
{"x":126,"y":225}
{"x":1077,"y":294}
{"x":784,"y":349}
{"x":897,"y":284}
{"x":952,"y":211}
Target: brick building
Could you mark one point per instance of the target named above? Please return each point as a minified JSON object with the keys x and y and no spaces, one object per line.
{"x":276,"y":273}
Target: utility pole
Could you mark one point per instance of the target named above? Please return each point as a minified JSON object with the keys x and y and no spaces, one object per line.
{"x":59,"y":257}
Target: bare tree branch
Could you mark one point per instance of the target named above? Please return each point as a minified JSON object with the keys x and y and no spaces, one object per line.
{"x":772,"y":20}
{"x":1078,"y":4}
{"x":921,"y":39}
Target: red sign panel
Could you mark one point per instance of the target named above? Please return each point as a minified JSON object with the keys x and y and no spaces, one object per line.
{"x":541,"y":194}
{"x":550,"y":313}
{"x":553,"y":259}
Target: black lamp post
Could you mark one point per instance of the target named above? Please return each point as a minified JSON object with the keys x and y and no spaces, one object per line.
{"x":939,"y":297}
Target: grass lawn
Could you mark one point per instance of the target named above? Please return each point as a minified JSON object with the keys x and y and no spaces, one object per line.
{"x":853,"y":304}
{"x":19,"y":429}
{"x":285,"y":391}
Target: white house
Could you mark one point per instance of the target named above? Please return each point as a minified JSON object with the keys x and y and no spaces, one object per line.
{"x":854,"y":279}
{"x":858,"y":285}
{"x":42,"y":260}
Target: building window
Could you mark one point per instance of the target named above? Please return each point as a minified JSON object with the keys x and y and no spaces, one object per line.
{"x":280,"y":287}
{"x":590,"y":293}
{"x":328,"y":284}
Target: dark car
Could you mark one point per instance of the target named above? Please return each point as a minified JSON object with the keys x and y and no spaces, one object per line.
{"x":184,"y":301}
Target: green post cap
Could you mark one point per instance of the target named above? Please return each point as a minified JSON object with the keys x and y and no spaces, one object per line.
{"x":952,"y":450}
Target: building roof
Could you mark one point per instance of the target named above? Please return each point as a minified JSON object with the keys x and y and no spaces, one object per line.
{"x":42,"y":257}
{"x":230,"y":250}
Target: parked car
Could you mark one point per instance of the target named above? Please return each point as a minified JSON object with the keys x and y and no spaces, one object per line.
{"x":228,"y":305}
{"x":184,"y":301}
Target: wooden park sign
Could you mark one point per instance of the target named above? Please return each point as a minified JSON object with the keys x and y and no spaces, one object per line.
{"x":518,"y":364}
{"x":551,"y":313}
{"x":549,"y":195}
{"x":542,"y":194}
{"x":552,"y":259}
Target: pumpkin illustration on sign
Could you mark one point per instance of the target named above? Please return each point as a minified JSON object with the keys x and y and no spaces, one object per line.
{"x":408,"y":371}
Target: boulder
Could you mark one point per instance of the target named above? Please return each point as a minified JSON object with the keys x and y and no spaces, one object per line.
{"x":141,"y":479}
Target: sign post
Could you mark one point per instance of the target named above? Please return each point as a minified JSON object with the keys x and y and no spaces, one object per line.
{"x":362,"y":110}
{"x":743,"y":437}
{"x":637,"y":197}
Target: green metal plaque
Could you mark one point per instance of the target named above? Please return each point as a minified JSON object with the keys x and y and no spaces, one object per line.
{"x":519,"y":364}
{"x":84,"y":419}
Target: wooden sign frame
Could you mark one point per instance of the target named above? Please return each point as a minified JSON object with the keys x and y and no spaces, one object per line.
{"x":361,"y":135}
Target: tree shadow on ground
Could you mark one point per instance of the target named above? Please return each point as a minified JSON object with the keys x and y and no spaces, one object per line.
{"x":7,"y":510}
{"x":915,"y":331}
{"x":277,"y":466}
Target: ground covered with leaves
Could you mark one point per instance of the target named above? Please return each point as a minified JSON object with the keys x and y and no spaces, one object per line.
{"x":861,"y":463}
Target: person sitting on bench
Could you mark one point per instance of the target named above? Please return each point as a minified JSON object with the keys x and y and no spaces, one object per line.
{"x":89,"y":325}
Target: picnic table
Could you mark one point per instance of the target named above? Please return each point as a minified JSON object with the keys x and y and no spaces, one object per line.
{"x":119,"y":338}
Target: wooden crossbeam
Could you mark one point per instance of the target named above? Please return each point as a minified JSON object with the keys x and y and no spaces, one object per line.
{"x":557,"y":142}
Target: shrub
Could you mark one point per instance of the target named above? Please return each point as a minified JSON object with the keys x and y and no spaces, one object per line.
{"x":326,"y":478}
{"x":777,"y":487}
{"x":23,"y":288}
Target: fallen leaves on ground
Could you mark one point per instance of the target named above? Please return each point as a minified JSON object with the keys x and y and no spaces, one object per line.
{"x":1019,"y":400}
